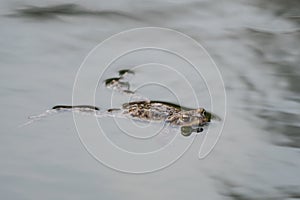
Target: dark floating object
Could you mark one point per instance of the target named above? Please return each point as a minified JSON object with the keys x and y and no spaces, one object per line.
{"x":111,"y":110}
{"x":125,"y":72}
{"x":128,"y":92}
{"x":110,"y":81}
{"x":58,"y":107}
{"x":117,"y":83}
{"x":120,"y":83}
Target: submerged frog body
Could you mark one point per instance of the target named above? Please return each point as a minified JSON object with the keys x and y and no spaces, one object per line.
{"x":168,"y":112}
{"x":190,"y":120}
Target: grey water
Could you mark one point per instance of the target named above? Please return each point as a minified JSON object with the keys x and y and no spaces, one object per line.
{"x":255,"y":45}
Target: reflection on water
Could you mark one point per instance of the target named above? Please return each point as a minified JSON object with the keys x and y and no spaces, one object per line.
{"x":256,"y":47}
{"x":281,"y":53}
{"x":40,"y":12}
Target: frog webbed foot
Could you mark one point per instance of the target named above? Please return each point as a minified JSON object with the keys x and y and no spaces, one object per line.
{"x":199,"y":130}
{"x":188,"y":130}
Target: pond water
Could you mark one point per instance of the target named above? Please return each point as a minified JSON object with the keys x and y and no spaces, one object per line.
{"x":255,"y":45}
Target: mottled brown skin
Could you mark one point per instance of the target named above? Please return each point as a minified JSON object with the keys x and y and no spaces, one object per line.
{"x":168,"y":112}
{"x":155,"y":111}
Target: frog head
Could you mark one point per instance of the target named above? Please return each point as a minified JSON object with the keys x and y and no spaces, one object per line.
{"x":205,"y":115}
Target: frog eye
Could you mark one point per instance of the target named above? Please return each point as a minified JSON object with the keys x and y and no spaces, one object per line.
{"x":199,"y":110}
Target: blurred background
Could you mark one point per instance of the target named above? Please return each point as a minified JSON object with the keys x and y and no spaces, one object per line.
{"x":256,"y":47}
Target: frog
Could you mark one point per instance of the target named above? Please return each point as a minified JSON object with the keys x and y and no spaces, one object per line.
{"x":189,"y":120}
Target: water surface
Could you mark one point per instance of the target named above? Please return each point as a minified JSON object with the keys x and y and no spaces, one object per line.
{"x":256,"y":47}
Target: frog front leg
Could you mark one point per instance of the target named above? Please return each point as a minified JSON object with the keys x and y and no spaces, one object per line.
{"x":188,"y":130}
